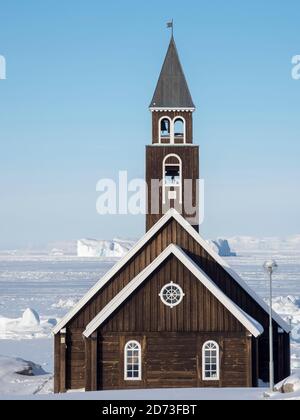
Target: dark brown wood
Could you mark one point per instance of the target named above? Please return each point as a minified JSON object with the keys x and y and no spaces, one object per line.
{"x":152,"y":315}
{"x":171,"y":233}
{"x":174,"y":360}
{"x":255,"y":362}
{"x":250,"y":361}
{"x":57,"y":363}
{"x":62,"y":363}
{"x":145,"y":313}
{"x":94,"y":362}
{"x":189,"y":209}
{"x":87,"y":354}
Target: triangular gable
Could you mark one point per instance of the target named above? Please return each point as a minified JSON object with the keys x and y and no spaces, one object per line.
{"x":249,"y":323}
{"x":172,"y":213}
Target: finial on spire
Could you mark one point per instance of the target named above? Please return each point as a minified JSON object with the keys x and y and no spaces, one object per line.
{"x":171,"y":25}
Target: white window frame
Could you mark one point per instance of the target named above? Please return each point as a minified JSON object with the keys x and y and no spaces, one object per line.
{"x":164,"y":173}
{"x":204,"y":349}
{"x":184,"y":128}
{"x":171,"y":305}
{"x":139,"y":377}
{"x":171,"y":129}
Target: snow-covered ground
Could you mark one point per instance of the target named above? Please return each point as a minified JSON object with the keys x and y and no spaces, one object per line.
{"x":20,"y":376}
{"x":51,"y":285}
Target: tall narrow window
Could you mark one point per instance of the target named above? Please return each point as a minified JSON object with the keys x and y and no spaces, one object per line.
{"x":172,"y":178}
{"x":179,"y":130}
{"x":132,"y":361}
{"x":164,"y":130}
{"x":210,"y":361}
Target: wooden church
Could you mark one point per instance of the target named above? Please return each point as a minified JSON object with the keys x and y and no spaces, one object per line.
{"x":171,"y":313}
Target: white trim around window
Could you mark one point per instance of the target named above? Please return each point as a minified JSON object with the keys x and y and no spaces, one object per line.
{"x":211,"y":361}
{"x":165,"y":185}
{"x":171,"y":134}
{"x":132,"y":361}
{"x":183,"y":129}
{"x":171,"y":294}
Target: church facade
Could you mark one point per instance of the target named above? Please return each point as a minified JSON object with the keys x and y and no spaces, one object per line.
{"x":171,"y":313}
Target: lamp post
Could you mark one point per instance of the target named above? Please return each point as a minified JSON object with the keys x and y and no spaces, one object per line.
{"x":270,"y":267}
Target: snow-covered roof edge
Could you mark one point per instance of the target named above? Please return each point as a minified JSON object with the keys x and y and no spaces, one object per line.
{"x":172,"y":213}
{"x":248,"y":322}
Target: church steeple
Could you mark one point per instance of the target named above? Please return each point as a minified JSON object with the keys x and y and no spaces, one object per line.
{"x":172,"y":89}
{"x":172,"y":159}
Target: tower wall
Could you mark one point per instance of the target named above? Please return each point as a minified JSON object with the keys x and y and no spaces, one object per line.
{"x":189,"y":156}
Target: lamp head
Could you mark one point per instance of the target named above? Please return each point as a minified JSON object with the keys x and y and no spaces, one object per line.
{"x":270,"y":266}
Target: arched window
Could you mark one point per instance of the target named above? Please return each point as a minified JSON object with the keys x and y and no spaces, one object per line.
{"x":172,"y":171}
{"x":172,"y":178}
{"x":211,"y":361}
{"x":132,"y":361}
{"x":165,"y":127}
{"x":179,"y":129}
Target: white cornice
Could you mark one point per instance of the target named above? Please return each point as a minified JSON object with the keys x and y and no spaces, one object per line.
{"x":154,"y":109}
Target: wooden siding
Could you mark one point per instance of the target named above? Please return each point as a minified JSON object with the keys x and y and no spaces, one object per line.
{"x":75,"y":359}
{"x":173,"y":360}
{"x":189,"y":156}
{"x":198,"y":311}
{"x":172,"y":232}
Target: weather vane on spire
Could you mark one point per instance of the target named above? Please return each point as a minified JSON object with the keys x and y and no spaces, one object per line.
{"x":171,"y":26}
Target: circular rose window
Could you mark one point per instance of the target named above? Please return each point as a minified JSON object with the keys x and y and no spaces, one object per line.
{"x":171,"y":294}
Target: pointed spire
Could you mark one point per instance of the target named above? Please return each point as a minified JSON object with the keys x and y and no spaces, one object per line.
{"x":172,"y":90}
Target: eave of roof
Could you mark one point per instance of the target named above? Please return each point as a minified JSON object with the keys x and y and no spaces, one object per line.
{"x":248,"y":322}
{"x":172,"y":213}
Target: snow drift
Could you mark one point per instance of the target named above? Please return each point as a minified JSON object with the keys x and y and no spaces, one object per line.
{"x":27,"y":327}
{"x":289,"y":385}
{"x":18,"y":376}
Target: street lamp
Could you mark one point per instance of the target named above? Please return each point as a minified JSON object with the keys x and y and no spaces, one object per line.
{"x":270,"y":267}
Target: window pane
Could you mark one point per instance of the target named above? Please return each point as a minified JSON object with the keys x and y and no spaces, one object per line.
{"x":132,"y":361}
{"x":210,"y":356}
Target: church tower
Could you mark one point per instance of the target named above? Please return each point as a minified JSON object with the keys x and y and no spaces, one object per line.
{"x":172,"y":160}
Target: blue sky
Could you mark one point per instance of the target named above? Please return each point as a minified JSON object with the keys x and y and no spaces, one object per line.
{"x":74,"y":108}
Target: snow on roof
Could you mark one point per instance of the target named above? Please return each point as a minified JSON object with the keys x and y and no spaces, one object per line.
{"x":172,"y":213}
{"x":249,"y":323}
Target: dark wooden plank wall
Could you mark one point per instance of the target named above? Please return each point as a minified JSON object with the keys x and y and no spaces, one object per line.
{"x":75,"y":359}
{"x":190,"y":171}
{"x":156,"y":116}
{"x":174,"y":360}
{"x":200,"y":310}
